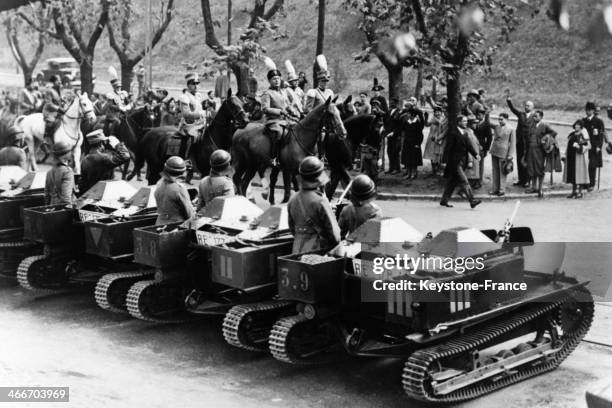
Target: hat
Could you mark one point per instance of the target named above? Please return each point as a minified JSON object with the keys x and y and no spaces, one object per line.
{"x":471,"y":118}
{"x":322,"y":72}
{"x":508,"y":167}
{"x":96,"y":136}
{"x":61,"y":148}
{"x":311,"y":172}
{"x":273,"y":71}
{"x":473,"y":92}
{"x":220,"y":160}
{"x":175,"y":166}
{"x":291,"y":75}
{"x":53,"y":78}
{"x":192,"y":77}
{"x":590,"y":106}
{"x":377,"y":86}
{"x":363,"y":189}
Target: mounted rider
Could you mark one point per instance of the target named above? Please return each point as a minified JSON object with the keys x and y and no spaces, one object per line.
{"x":193,"y":115}
{"x":317,"y":96}
{"x":54,"y":106}
{"x":295,"y":94}
{"x":119,"y":104}
{"x":278,"y":111}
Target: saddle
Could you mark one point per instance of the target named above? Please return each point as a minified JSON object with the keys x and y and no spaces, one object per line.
{"x":179,"y":144}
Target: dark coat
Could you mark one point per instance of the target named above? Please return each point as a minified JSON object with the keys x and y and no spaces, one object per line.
{"x":484,"y":135}
{"x":99,"y":164}
{"x":412,"y":155}
{"x":597,"y":141}
{"x":312,"y":221}
{"x":173,"y":203}
{"x":457,"y":149}
{"x":523,"y":125}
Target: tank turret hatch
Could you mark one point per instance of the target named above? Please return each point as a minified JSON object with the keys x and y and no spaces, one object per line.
{"x":104,"y":198}
{"x":143,"y":200}
{"x":458,"y":242}
{"x":272,"y":223}
{"x":33,"y":181}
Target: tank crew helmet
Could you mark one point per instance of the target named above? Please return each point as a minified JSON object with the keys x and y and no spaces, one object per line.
{"x":61,"y":149}
{"x":220,"y":161}
{"x":363,"y":189}
{"x":311,"y":172}
{"x":377,"y":87}
{"x":272,"y":70}
{"x":322,"y":72}
{"x":174,"y":166}
{"x":291,"y":74}
{"x":192,"y":78}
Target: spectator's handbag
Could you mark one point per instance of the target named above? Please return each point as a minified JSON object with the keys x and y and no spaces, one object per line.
{"x":507,"y":167}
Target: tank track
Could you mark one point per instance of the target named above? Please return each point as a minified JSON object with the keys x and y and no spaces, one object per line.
{"x":23,"y":273}
{"x":108,"y":284}
{"x":244,"y":325}
{"x":143,"y":291}
{"x":280,"y":339}
{"x":11,"y":254}
{"x":417,"y":381}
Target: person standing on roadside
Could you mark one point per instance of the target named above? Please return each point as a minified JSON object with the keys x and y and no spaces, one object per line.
{"x":525,"y":121}
{"x":597,"y":135}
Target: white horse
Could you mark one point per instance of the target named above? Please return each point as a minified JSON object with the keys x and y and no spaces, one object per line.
{"x":33,"y":127}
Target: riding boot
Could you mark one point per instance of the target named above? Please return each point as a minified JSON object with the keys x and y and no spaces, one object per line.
{"x":275,"y":148}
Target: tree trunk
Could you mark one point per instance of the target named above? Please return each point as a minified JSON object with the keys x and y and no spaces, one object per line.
{"x":127,"y":75}
{"x":27,"y":74}
{"x":320,"y":39}
{"x":434,"y":88}
{"x":241,"y":72}
{"x":453,"y":94}
{"x":87,"y":74}
{"x":396,"y":81}
{"x":418,"y":88}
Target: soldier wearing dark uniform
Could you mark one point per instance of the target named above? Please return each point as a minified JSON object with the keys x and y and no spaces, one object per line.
{"x":597,"y":135}
{"x":173,"y":203}
{"x":377,"y":88}
{"x":105,"y":153}
{"x":277,"y":109}
{"x":361,"y":208}
{"x":218,"y":183}
{"x":59,"y":184}
{"x":311,"y":219}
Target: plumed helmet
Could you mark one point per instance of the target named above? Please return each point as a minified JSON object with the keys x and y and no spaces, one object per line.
{"x":311,"y":167}
{"x":363,"y":188}
{"x":273,"y":71}
{"x":175,"y":166}
{"x":220,"y":159}
{"x":321,"y":68}
{"x":61,"y":148}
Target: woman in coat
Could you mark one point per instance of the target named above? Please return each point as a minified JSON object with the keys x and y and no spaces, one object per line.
{"x":434,"y":148}
{"x":576,"y":171}
{"x":413,"y":137}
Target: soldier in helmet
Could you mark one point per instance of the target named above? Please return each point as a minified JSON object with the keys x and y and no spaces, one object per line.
{"x":218,"y":183}
{"x":59,"y":184}
{"x":295,"y":94}
{"x":277,"y":110}
{"x":319,"y":95}
{"x":14,"y":154}
{"x":361,"y":208}
{"x":118,"y":106}
{"x":105,"y":153}
{"x":173,"y":203}
{"x":311,"y":219}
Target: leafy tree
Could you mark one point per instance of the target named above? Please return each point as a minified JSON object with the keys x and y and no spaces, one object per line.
{"x":78,"y":25}
{"x":123,"y":16}
{"x":238,"y":56}
{"x":23,"y":39}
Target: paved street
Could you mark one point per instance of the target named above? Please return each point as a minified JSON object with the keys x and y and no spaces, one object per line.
{"x":113,"y":360}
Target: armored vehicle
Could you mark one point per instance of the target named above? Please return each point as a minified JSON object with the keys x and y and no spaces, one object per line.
{"x":27,"y":192}
{"x":460,"y":337}
{"x":81,"y":244}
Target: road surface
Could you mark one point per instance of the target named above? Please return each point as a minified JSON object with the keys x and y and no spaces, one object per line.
{"x":111,"y":360}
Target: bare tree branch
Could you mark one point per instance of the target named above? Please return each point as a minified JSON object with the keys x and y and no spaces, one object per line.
{"x":160,"y":31}
{"x":102,"y":21}
{"x":39,"y":28}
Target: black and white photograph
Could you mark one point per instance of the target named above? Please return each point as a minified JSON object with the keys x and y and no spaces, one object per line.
{"x":306,"y":203}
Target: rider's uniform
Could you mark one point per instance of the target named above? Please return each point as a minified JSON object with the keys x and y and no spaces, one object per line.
{"x":316,"y":97}
{"x":296,"y":98}
{"x":193,"y":115}
{"x":118,"y":104}
{"x":275,"y":105}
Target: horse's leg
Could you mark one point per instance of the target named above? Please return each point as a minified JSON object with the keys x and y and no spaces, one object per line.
{"x":330,"y":188}
{"x":345,"y":177}
{"x":31,"y":156}
{"x":287,"y":177}
{"x":246,"y":180}
{"x":237,"y":178}
{"x":77,"y":157}
{"x":272,"y":186}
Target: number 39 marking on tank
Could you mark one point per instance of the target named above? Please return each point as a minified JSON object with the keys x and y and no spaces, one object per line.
{"x":304,"y":283}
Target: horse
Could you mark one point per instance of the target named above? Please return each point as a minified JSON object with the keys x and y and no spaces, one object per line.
{"x":251,"y":148}
{"x":33,"y":127}
{"x":132,"y":128}
{"x":346,"y":108}
{"x":153,"y":146}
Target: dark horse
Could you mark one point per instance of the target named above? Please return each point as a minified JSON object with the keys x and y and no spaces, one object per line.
{"x":251,"y":148}
{"x":218,"y":135}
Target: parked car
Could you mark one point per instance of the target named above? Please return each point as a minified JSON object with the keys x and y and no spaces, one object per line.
{"x":66,"y":68}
